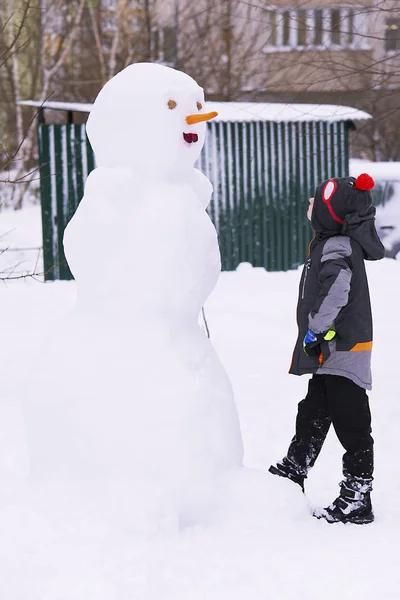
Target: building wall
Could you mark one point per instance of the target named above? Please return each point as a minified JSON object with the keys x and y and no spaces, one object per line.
{"x":386,"y":61}
{"x":326,"y":47}
{"x":343,"y":46}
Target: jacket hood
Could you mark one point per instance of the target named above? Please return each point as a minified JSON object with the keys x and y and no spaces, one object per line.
{"x":361,"y":227}
{"x":342,"y":209}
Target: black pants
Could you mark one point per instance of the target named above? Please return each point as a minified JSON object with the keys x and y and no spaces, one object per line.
{"x":336,"y":400}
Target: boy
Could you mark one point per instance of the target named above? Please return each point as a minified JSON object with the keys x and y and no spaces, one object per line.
{"x":335,"y":342}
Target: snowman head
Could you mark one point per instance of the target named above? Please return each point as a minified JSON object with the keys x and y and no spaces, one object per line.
{"x":149,"y":118}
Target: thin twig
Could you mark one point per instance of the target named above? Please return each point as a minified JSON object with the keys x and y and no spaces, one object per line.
{"x":205,"y":322}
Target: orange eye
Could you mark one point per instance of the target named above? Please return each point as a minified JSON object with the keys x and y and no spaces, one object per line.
{"x":172,"y":104}
{"x":199,"y":105}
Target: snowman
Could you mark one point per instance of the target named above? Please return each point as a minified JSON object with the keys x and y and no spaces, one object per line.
{"x":129,"y":393}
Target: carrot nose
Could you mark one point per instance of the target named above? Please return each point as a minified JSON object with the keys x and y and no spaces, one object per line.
{"x":193,"y":119}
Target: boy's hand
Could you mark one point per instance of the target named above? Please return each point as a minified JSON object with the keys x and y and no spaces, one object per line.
{"x":312,"y":341}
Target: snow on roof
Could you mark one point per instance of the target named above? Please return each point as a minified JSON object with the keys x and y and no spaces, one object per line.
{"x":69,"y":106}
{"x":273,"y":111}
{"x":384,"y":171}
{"x":246,"y":111}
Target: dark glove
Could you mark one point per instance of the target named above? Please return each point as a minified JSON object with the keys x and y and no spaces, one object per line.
{"x":312,"y":341}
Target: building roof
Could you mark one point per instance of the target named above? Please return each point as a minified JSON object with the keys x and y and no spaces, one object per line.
{"x":245,"y":111}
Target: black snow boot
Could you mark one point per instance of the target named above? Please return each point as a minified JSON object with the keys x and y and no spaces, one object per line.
{"x":350,"y":507}
{"x":285,"y":468}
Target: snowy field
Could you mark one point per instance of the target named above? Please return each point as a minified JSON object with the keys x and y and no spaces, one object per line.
{"x":260,"y":543}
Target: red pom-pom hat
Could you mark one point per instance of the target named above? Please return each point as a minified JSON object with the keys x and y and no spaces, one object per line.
{"x":364,"y":182}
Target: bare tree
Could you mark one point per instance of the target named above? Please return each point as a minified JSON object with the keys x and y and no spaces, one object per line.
{"x":37,"y":43}
{"x":12,"y":42}
{"x":220,"y":42}
{"x":122,"y":35}
{"x":237,"y":49}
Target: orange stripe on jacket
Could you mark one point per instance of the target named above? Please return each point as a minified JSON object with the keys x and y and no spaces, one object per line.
{"x":361,"y":347}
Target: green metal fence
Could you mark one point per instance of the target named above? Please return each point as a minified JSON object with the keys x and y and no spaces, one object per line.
{"x":66,"y":159}
{"x":263,"y":174}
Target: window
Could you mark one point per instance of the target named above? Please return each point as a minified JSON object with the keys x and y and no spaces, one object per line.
{"x":319,"y":28}
{"x":273,"y":28}
{"x":155,"y":44}
{"x":335,"y":26}
{"x":163,"y":45}
{"x":350,"y":28}
{"x":392,"y":35}
{"x":302,"y":28}
{"x":169,"y":47}
{"x":286,"y":28}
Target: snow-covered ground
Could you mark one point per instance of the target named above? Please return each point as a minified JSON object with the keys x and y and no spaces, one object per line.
{"x":10,"y":192}
{"x":21,"y":242}
{"x":261,"y":542}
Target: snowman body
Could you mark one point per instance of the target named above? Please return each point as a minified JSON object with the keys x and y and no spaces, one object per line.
{"x":135,"y":392}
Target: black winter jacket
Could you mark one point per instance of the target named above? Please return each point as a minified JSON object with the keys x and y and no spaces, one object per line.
{"x":333,"y":291}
